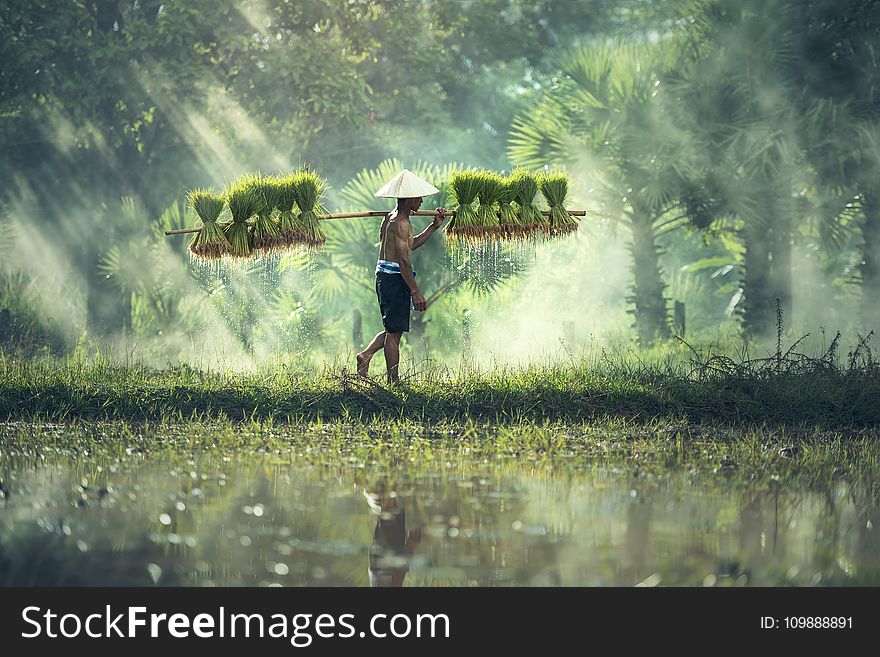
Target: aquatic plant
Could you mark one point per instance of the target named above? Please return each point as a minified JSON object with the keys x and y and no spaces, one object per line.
{"x":308,"y":191}
{"x":289,"y":228}
{"x":525,"y":185}
{"x":464,"y":186}
{"x":266,"y":230}
{"x":210,"y":242}
{"x":508,"y":219}
{"x":244,"y":202}
{"x":490,"y":190}
{"x":554,"y":187}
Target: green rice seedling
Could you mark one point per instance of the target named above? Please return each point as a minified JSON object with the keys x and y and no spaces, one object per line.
{"x":464,"y":186}
{"x":508,"y":220}
{"x":244,"y":203}
{"x":291,"y":232}
{"x":266,"y":229}
{"x":210,"y":242}
{"x":525,"y":184}
{"x":490,"y":191}
{"x":554,"y":187}
{"x":309,"y":189}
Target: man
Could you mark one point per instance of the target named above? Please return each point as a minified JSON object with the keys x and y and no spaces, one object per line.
{"x":393,"y":547}
{"x":396,"y":285}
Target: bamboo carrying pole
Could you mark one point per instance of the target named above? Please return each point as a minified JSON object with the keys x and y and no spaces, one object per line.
{"x":371,"y":213}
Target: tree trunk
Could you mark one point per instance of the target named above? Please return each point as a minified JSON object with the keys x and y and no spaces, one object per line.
{"x":759,"y":306}
{"x":780,"y":268}
{"x":767,"y":262}
{"x":649,"y":304}
{"x":870,"y":268}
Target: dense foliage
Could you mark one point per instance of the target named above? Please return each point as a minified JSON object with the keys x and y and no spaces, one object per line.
{"x":733,"y":146}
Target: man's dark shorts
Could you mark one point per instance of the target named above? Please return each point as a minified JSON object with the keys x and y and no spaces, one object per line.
{"x":394,"y":301}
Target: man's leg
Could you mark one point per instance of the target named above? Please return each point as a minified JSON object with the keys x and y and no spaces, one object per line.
{"x":364,"y":357}
{"x":392,"y":355}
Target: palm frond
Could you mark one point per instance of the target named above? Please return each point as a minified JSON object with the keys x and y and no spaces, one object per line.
{"x":539,"y":136}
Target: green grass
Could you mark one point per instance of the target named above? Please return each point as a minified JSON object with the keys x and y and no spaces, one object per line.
{"x":777,"y":456}
{"x":788,"y":391}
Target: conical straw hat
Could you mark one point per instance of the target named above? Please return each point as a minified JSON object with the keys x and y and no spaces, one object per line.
{"x":406,"y":184}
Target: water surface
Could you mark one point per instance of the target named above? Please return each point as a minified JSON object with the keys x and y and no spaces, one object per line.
{"x":279,"y":519}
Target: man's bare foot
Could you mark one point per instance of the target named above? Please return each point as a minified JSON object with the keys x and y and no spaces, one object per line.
{"x":363,"y":361}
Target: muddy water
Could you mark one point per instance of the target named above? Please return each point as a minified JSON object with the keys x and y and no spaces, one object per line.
{"x":275,"y":520}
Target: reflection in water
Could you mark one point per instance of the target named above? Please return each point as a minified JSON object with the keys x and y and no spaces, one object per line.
{"x":638,"y":529}
{"x":279,"y":520}
{"x":392,"y":547}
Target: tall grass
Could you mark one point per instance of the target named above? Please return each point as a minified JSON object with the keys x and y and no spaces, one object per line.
{"x":786,"y":388}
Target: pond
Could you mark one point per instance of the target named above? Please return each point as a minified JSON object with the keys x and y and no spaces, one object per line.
{"x":269,"y":519}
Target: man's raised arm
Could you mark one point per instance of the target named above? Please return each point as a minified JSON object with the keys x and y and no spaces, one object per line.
{"x":422,"y":237}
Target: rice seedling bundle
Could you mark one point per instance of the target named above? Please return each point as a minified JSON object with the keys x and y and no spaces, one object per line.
{"x":490,"y":191}
{"x":508,"y":219}
{"x":464,"y":186}
{"x":210,"y":242}
{"x":285,"y":212}
{"x":554,"y":188}
{"x":308,"y":189}
{"x":525,"y":185}
{"x":291,"y":231}
{"x":266,"y":230}
{"x":244,"y":203}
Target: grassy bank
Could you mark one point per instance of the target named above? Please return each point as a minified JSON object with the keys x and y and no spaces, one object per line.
{"x":778,"y":391}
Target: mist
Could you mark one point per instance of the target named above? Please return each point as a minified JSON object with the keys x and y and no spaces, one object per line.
{"x":707,"y":184}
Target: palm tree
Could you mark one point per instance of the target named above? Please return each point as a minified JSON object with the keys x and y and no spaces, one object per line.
{"x":838,"y":70}
{"x":145,"y":272}
{"x":782,"y":98}
{"x":869,"y":272}
{"x":605,"y":118}
{"x":734,"y":104}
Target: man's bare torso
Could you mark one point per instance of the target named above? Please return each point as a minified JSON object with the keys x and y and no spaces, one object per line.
{"x":393,"y":227}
